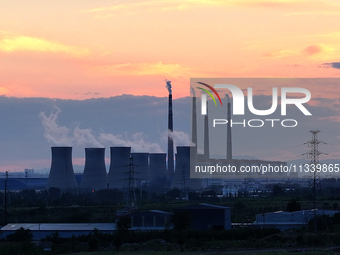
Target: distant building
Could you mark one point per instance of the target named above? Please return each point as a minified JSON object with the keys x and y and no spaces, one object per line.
{"x":152,"y":218}
{"x":206,"y":216}
{"x":42,"y":230}
{"x":285,"y":220}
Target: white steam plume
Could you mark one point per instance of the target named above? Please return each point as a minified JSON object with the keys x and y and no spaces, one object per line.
{"x":85,"y":138}
{"x":138,"y":144}
{"x":55,"y":134}
{"x":61,"y":136}
{"x":179,"y":138}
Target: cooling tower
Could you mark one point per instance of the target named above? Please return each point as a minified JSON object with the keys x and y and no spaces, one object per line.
{"x":157,"y":165}
{"x":182,"y":178}
{"x":94,"y":176}
{"x":61,"y":173}
{"x":141,"y":162}
{"x":119,"y":167}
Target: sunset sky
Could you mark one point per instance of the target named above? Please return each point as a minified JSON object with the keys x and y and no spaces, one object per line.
{"x":87,"y":49}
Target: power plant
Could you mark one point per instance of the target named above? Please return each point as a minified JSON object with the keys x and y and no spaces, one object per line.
{"x":156,"y":171}
{"x":94,"y":176}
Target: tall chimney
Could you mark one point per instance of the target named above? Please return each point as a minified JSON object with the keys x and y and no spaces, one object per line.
{"x":170,"y":130}
{"x":194,"y":123}
{"x":229,"y":142}
{"x":61,"y":174}
{"x":206,"y":136}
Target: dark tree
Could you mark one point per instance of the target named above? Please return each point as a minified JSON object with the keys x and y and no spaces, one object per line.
{"x":293,"y":206}
{"x":20,"y":235}
{"x":181,"y":220}
{"x":278,"y":191}
{"x":122,"y":226}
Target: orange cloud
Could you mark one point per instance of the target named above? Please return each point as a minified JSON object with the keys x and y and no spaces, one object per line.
{"x":142,"y":69}
{"x":281,"y":54}
{"x":27,"y":43}
{"x":166,"y":5}
{"x":317,"y":52}
{"x":3,"y":91}
{"x":312,"y":49}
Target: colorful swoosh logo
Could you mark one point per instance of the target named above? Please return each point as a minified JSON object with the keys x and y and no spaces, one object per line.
{"x":211,"y":95}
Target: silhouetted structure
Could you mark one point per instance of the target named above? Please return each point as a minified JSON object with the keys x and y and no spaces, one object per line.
{"x":142,"y":172}
{"x":206,"y":136}
{"x":182,"y":178}
{"x":61,"y":174}
{"x":158,"y":171}
{"x":170,"y":130}
{"x":207,"y":216}
{"x":119,"y":167}
{"x":95,"y":176}
{"x":229,"y":141}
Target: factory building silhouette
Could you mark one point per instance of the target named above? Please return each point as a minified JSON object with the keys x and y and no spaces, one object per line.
{"x":154,"y":170}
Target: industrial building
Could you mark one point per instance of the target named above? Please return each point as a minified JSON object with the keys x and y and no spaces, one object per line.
{"x":151,"y":219}
{"x":207,"y":216}
{"x":66,"y":230}
{"x":285,"y":220}
{"x":158,"y":171}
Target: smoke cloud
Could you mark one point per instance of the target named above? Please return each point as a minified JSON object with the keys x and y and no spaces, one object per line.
{"x":85,"y":138}
{"x":179,"y":138}
{"x":138,"y":144}
{"x":62,"y":136}
{"x":55,"y":134}
{"x":168,"y":86}
{"x":193,"y":91}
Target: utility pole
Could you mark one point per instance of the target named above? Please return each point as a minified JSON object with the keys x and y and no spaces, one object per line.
{"x":313,"y":155}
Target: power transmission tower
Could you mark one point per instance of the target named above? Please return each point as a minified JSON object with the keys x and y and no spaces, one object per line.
{"x":131,"y":204}
{"x":314,"y":167}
